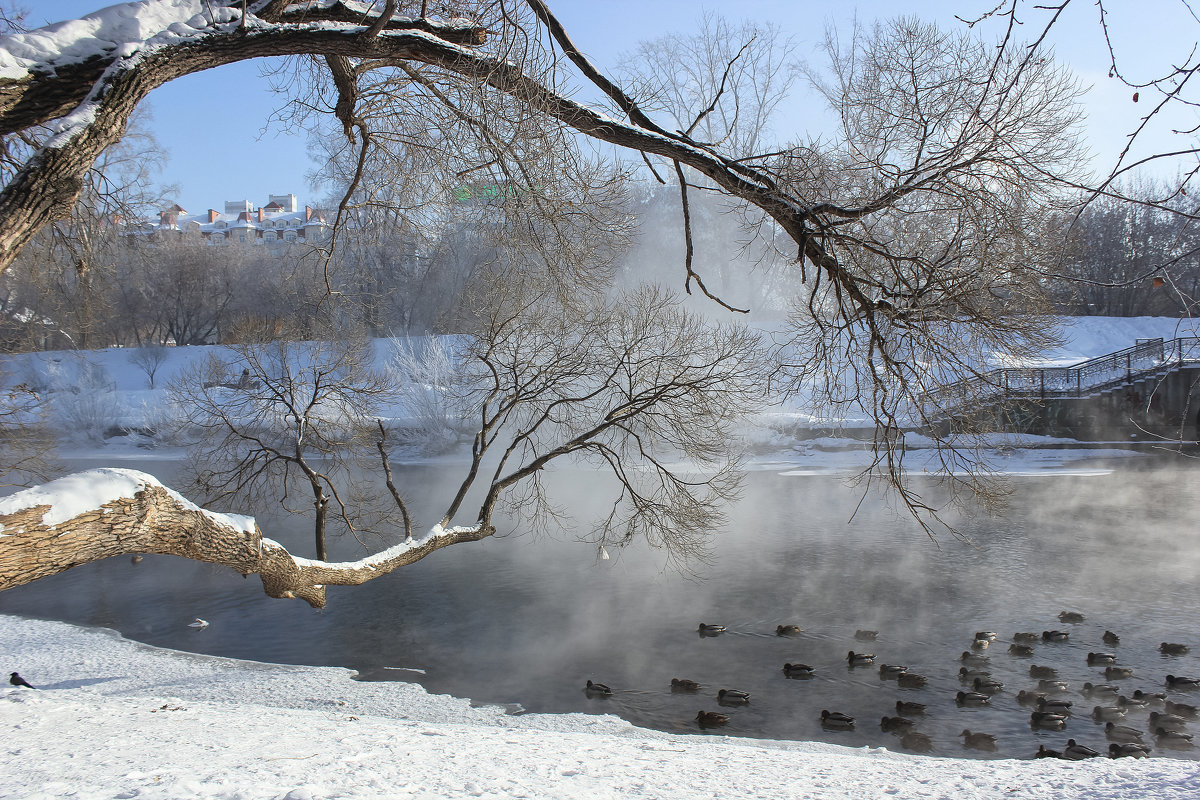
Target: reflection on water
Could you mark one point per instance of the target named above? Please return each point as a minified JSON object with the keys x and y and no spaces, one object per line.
{"x":529,"y":619}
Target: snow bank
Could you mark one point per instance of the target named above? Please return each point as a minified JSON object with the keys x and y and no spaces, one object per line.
{"x":113,"y":718}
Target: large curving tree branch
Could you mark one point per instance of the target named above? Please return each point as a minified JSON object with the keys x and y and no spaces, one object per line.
{"x":139,"y":515}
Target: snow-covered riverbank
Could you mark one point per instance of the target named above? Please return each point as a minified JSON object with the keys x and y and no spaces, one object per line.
{"x":113,"y":718}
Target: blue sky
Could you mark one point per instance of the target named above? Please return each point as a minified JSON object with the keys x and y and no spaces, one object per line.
{"x":214,"y":124}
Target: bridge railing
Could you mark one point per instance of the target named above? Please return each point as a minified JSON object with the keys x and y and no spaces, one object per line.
{"x":1147,"y":357}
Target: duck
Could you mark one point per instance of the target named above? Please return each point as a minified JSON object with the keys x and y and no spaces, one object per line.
{"x":1173,"y":738}
{"x":798,"y":670}
{"x":891,"y":670}
{"x":967,"y":675}
{"x":788,"y":630}
{"x":980,"y":644}
{"x":735,"y":697}
{"x":1110,"y":638}
{"x":1173,"y":649}
{"x":1077,"y":752}
{"x":198,"y":624}
{"x":978,"y":741}
{"x":917,"y":742}
{"x":1101,"y":658}
{"x":1029,"y":698}
{"x":1021,"y":650}
{"x":974,"y":659}
{"x":1132,"y":702}
{"x":1047,"y":720}
{"x":1054,"y":706}
{"x":1044,"y":752}
{"x":1128,"y":750}
{"x":971,"y":699}
{"x":989,"y":635}
{"x":987,"y":686}
{"x":684,"y":685}
{"x":1026,"y":637}
{"x":857,"y":659}
{"x":710,"y":630}
{"x":1055,"y":636}
{"x":866,"y":636}
{"x":1182,"y":710}
{"x":1070,"y":616}
{"x":1091,"y":689}
{"x":836,"y":719}
{"x":905,"y":707}
{"x":911,"y":680}
{"x":1180,"y":682}
{"x":1168,"y":721}
{"x":597,"y":690}
{"x":1117,"y":673}
{"x":709,"y":718}
{"x":895,"y":724}
{"x":1122,"y":733}
{"x":1037,"y":671}
{"x":1107,"y":713}
{"x":1151,"y":698}
{"x":1051,"y":685}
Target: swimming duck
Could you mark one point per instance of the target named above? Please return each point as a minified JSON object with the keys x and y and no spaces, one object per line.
{"x":1054,"y":706}
{"x":710,"y":630}
{"x":1055,"y":636}
{"x":1026,"y":637}
{"x":1044,"y":752}
{"x":1101,"y":658}
{"x":1029,"y":698}
{"x":1077,"y":752}
{"x":1070,"y":616}
{"x":1168,"y":721}
{"x":895,"y":724}
{"x":917,"y":742}
{"x":980,"y":644}
{"x":1181,"y":710}
{"x":1110,"y":638}
{"x":891,"y":670}
{"x":1021,"y":650}
{"x":735,"y":697}
{"x":987,"y":686}
{"x":1132,"y":702}
{"x":836,"y":719}
{"x":1173,"y":738}
{"x":1107,"y":713}
{"x":989,"y":635}
{"x":857,"y":659}
{"x":905,"y":707}
{"x":971,"y":699}
{"x":684,"y":685}
{"x":1128,"y":750}
{"x":866,"y":636}
{"x":798,"y":670}
{"x":1047,"y":720}
{"x":1172,"y":649}
{"x":1036,"y":671}
{"x":597,"y":690}
{"x":1090,"y":689}
{"x":1151,"y":698}
{"x":1180,"y":682}
{"x":1051,"y":685}
{"x":787,"y":630}
{"x":707,"y":718}
{"x":974,"y":659}
{"x":1117,"y":673}
{"x":198,"y":623}
{"x":967,"y":675}
{"x":1122,"y":733}
{"x":910,"y":680}
{"x":978,"y":741}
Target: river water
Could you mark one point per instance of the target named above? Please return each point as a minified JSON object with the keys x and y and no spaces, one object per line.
{"x":525,"y":620}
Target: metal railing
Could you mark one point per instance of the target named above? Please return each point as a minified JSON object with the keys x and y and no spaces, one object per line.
{"x":1147,"y":358}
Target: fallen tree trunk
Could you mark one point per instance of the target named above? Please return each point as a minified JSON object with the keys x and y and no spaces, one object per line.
{"x":102,"y":513}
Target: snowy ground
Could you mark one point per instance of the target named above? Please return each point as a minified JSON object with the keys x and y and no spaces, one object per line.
{"x":116,"y":719}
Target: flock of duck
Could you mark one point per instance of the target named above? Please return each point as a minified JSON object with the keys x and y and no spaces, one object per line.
{"x":1167,"y":719}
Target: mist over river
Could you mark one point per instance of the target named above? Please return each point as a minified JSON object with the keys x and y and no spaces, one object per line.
{"x":526,"y":619}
